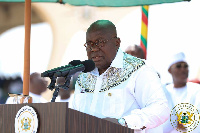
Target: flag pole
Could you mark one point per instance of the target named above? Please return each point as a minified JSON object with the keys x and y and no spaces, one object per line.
{"x":144,"y":29}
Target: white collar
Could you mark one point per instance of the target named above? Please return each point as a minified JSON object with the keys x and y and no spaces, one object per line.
{"x":117,"y":62}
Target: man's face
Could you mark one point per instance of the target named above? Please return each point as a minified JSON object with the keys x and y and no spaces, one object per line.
{"x":179,"y":72}
{"x":104,"y":55}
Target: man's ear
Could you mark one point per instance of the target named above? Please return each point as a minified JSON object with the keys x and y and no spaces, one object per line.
{"x":169,"y":70}
{"x":118,"y":42}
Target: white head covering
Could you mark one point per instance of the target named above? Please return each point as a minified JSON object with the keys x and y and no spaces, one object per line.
{"x":179,"y":57}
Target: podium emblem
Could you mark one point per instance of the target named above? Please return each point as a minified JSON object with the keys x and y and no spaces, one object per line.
{"x":26,"y":120}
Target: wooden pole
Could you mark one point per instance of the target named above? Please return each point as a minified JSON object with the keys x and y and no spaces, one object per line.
{"x":26,"y":75}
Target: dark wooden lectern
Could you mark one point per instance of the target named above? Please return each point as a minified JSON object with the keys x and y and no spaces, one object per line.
{"x":58,"y":118}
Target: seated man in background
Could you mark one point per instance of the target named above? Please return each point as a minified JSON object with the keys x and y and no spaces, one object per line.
{"x":181,"y":92}
{"x":121,"y":88}
{"x":135,"y":50}
{"x":38,"y":85}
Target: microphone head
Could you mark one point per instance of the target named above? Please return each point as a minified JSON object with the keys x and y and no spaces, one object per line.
{"x":75,"y":62}
{"x":89,"y":65}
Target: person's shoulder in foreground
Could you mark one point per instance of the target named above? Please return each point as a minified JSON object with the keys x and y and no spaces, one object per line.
{"x":121,"y":87}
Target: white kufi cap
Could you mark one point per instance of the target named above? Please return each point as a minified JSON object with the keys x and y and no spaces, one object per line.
{"x":179,"y":57}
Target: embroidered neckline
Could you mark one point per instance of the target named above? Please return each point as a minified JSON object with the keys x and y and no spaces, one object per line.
{"x":113,"y":76}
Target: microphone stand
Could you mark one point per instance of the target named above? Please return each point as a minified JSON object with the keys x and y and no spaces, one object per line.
{"x":55,"y":94}
{"x":57,"y":88}
{"x":52,"y":83}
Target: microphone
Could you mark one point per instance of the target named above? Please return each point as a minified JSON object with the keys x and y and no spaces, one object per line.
{"x":85,"y":66}
{"x":51,"y":72}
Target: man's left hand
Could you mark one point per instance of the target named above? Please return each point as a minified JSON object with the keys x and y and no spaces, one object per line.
{"x":113,"y":120}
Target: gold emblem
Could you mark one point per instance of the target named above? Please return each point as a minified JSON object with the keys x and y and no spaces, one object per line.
{"x":26,"y":124}
{"x":184,"y":118}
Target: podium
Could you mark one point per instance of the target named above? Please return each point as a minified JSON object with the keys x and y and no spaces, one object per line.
{"x":56,"y":117}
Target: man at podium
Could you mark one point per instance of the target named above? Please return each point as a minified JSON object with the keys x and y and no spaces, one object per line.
{"x":121,"y":88}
